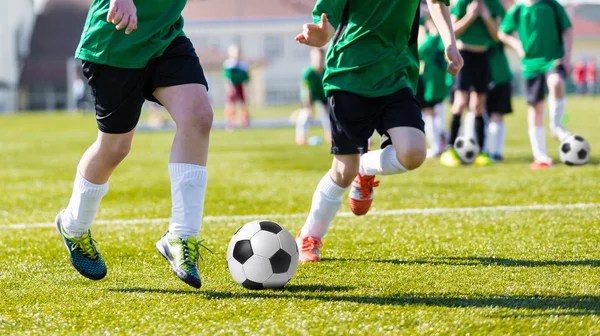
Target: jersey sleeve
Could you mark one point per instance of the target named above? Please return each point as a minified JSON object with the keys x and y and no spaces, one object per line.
{"x":508,"y":24}
{"x":333,"y":8}
{"x":460,"y":8}
{"x":563,"y":18}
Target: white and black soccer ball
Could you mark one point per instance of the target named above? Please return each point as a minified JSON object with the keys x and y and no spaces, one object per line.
{"x":262,"y":254}
{"x":467,"y":149}
{"x":574,"y":151}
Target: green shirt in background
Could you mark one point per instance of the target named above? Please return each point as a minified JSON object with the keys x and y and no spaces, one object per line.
{"x":431,"y":52}
{"x":477,"y":33}
{"x":376,"y":54}
{"x":236,"y":71}
{"x":312,"y":83}
{"x":501,"y":72}
{"x":159,"y":23}
{"x":540,"y":27}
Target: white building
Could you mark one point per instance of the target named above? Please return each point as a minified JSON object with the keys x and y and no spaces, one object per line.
{"x":16,"y":26}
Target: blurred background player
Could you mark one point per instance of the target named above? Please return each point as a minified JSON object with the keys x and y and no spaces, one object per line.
{"x":377,"y":95}
{"x":475,"y":25}
{"x":591,"y":76}
{"x":236,"y":75}
{"x":313,"y":98}
{"x":432,"y":88}
{"x":544,"y":43}
{"x":578,"y":76}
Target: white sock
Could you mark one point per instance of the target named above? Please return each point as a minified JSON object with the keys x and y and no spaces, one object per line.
{"x":556,"y":106}
{"x":326,"y":202}
{"x":468,"y":126}
{"x":188,"y":187}
{"x":440,"y":119}
{"x":497,"y":136}
{"x":83,"y":206}
{"x":431,"y":131}
{"x":537,"y":137}
{"x":302,"y":124}
{"x":381,"y":162}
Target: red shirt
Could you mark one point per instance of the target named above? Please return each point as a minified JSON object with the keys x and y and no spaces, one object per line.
{"x":590,"y":70}
{"x":579,"y":73}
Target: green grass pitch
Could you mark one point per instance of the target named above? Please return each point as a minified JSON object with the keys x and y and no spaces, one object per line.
{"x":513,"y":270}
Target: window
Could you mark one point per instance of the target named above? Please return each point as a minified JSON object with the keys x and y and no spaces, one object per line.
{"x":274,"y":45}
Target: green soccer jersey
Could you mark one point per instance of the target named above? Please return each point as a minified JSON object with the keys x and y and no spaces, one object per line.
{"x":376,"y":54}
{"x":236,"y":71}
{"x":159,"y":23}
{"x":540,"y":26}
{"x":312,"y":83}
{"x":477,"y":33}
{"x":431,"y":52}
{"x":499,"y":65}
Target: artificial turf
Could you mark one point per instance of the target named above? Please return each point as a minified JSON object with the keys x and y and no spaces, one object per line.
{"x":512,"y":270}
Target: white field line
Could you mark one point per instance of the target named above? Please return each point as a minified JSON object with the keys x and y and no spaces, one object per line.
{"x":397,"y":212}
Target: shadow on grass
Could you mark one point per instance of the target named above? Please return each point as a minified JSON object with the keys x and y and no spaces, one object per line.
{"x":286,"y":289}
{"x":475,"y":261}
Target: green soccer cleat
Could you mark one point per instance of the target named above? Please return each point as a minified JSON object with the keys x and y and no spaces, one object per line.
{"x":483,"y":159}
{"x":449,"y":158}
{"x":83,"y":253}
{"x":183,"y":255}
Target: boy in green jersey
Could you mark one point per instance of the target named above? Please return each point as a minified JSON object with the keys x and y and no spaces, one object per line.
{"x":236,"y":76}
{"x":432,"y":88}
{"x":313,"y":95}
{"x":476,"y":25}
{"x":370,"y":79}
{"x":544,"y":43}
{"x":132,"y":53}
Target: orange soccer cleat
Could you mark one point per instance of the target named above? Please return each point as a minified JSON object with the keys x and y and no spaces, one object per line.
{"x":361,"y":194}
{"x":309,"y":248}
{"x":540,"y":165}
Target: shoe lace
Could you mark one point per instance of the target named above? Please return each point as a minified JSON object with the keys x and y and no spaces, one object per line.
{"x":311,"y":243}
{"x":191,"y":251}
{"x":367,"y":183}
{"x":86,"y":245}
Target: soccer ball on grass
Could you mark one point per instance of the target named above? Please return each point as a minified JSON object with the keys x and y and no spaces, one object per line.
{"x":574,"y":151}
{"x":467,"y":149}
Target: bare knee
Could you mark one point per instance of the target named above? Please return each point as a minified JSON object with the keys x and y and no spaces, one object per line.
{"x":412,"y":158}
{"x":478,"y":103}
{"x":197,"y":118}
{"x":345,"y":169}
{"x":461,"y":100}
{"x":115,"y":151}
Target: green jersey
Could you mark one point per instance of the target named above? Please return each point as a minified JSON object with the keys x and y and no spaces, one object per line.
{"x":312,"y":84}
{"x":540,"y":27}
{"x":376,"y":53}
{"x":159,"y":23}
{"x":236,"y":71}
{"x":501,"y":72}
{"x":477,"y":33}
{"x":431,"y":52}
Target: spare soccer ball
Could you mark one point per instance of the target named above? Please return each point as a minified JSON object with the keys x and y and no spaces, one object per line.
{"x":574,"y":151}
{"x":467,"y":149}
{"x":262,"y":254}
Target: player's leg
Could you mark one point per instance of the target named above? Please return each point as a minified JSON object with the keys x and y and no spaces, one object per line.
{"x":302,"y":125}
{"x":478,"y":103}
{"x":176,"y":76}
{"x":499,"y":104}
{"x":556,"y":103}
{"x":353,"y":122}
{"x":449,"y":158}
{"x":534,"y":88}
{"x":431,"y":131}
{"x":118,"y":106}
{"x":230,"y":100}
{"x":244,"y":112}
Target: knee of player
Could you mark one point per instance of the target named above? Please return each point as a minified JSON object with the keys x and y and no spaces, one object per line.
{"x":344,"y":177}
{"x":412,"y":158}
{"x":116,"y":151}
{"x":198,"y":118}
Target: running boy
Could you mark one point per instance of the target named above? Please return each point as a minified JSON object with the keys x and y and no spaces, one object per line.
{"x":372,"y":71}
{"x":546,"y":37}
{"x":132,"y":53}
{"x":313,"y":96}
{"x":236,"y":77}
{"x":476,"y":26}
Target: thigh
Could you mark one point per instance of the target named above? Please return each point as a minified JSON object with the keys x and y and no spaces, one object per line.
{"x":118,"y":96}
{"x":179,"y":65}
{"x":353,"y":121}
{"x":464,"y":79}
{"x":480,"y":72}
{"x":534,"y":89}
{"x":401,"y":109}
{"x":196,"y":107}
{"x":499,"y":99}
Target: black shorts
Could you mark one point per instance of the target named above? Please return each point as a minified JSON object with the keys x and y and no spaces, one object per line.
{"x":535,"y":88}
{"x":120,"y":93}
{"x":421,"y":96}
{"x":475,"y":74}
{"x":499,"y":98}
{"x":354,"y":118}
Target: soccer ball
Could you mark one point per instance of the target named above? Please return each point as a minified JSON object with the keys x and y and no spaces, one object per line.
{"x":262,"y":254}
{"x":467,"y":149}
{"x":574,"y":151}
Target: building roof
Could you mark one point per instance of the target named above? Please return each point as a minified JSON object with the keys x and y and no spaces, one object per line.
{"x":246,"y":9}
